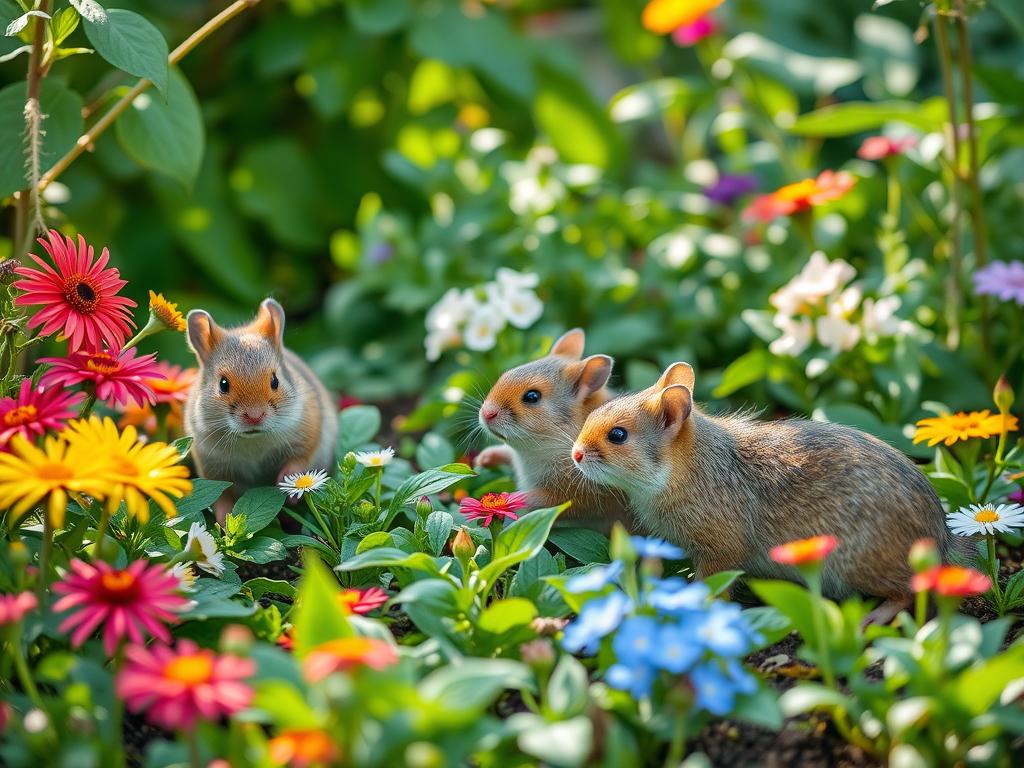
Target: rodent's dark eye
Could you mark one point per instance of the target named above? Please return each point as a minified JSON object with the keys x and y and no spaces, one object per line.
{"x":617,"y":435}
{"x":225,"y":385}
{"x":274,"y":383}
{"x":531,"y":397}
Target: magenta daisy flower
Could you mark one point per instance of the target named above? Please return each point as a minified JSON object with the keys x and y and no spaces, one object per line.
{"x":1004,"y":280}
{"x":129,"y":602}
{"x":178,"y":686}
{"x":491,"y":505}
{"x":118,"y":377}
{"x":14,"y":607}
{"x":35,"y":410}
{"x":79,"y":297}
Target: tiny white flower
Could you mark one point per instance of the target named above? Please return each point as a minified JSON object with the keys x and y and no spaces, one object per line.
{"x":300,"y":483}
{"x":185,"y":575}
{"x":482,"y":330}
{"x":796,"y":335}
{"x":815,"y":367}
{"x":879,"y":317}
{"x":437,"y":342}
{"x":379,"y":458}
{"x":522,"y":308}
{"x":985,"y":518}
{"x":510,"y":280}
{"x":36,"y":721}
{"x":203,"y":548}
{"x":449,"y":311}
{"x":836,"y":332}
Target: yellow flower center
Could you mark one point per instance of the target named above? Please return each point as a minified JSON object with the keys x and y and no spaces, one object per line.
{"x":81,"y":293}
{"x":103,"y":363}
{"x":964,"y":422}
{"x":375,"y":461}
{"x":166,"y":312}
{"x":54,"y":471}
{"x":23,"y":414}
{"x":987,"y":515}
{"x":797,"y":192}
{"x":492,"y":501}
{"x":119,"y":586}
{"x":303,"y":482}
{"x":190,"y":669}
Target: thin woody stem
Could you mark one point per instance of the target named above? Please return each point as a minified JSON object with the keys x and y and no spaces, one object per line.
{"x":87,"y":139}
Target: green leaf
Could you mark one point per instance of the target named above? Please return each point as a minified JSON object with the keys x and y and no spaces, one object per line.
{"x":261,"y":586}
{"x":62,"y":126}
{"x":807,"y":75}
{"x":744,"y":370}
{"x":720,"y":582}
{"x":434,"y":451}
{"x":565,"y":744}
{"x":503,"y":615}
{"x":375,"y":540}
{"x":221,"y":608}
{"x":298,"y":540}
{"x":951,"y":489}
{"x":585,"y":545}
{"x":378,"y":17}
{"x":978,"y":688}
{"x":183,"y":445}
{"x":285,"y":705}
{"x":426,"y":483}
{"x":579,"y":129}
{"x":908,"y":713}
{"x":389,"y":557}
{"x":520,"y":541}
{"x":859,"y":116}
{"x":439,"y":528}
{"x":129,"y":42}
{"x":762,"y":708}
{"x":650,"y":100}
{"x":204,"y":494}
{"x":262,"y":549}
{"x":65,"y":21}
{"x":797,"y":604}
{"x":165,"y":136}
{"x":474,"y":684}
{"x":808,"y":697}
{"x":567,"y":687}
{"x":357,"y":425}
{"x":431,"y":604}
{"x":259,"y":507}
{"x":316,"y":615}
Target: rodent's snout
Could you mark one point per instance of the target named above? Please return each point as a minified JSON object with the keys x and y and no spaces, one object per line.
{"x":253,"y":416}
{"x":578,"y":454}
{"x":489,"y":411}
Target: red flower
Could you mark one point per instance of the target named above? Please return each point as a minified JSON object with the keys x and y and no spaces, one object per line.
{"x":285,"y":640}
{"x":362,"y":600}
{"x":951,"y":581}
{"x":801,"y":196}
{"x":125,"y":603}
{"x":177,"y":686}
{"x":804,"y":551}
{"x":348,"y":653}
{"x":36,"y":410}
{"x":491,"y":505}
{"x":14,"y":607}
{"x":79,"y":298}
{"x":117,"y":377}
{"x":880,"y":147}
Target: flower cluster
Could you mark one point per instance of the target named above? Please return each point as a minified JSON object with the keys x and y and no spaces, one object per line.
{"x":540,"y":181}
{"x":474,"y":317}
{"x":667,"y":627}
{"x":819,"y":304}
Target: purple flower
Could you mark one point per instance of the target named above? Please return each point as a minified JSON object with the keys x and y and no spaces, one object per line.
{"x":1003,"y":280}
{"x":730,"y":187}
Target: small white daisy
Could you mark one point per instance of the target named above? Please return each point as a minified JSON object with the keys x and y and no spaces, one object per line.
{"x":295,"y":486}
{"x":985,"y":518}
{"x":203,"y":548}
{"x":379,"y":458}
{"x":185,"y":575}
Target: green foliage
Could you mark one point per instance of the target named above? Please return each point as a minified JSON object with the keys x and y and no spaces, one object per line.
{"x":131,"y":43}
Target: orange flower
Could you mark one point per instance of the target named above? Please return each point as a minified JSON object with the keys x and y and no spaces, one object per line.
{"x":664,"y":16}
{"x":362,"y":600}
{"x":951,"y":581}
{"x":954,"y":427}
{"x":302,"y":747}
{"x":804,"y":551}
{"x":347,"y":653}
{"x":801,"y":196}
{"x":166,"y":312}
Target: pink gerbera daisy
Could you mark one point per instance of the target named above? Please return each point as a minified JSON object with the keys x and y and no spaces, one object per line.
{"x":79,"y":298}
{"x":118,"y":377}
{"x":127,"y":602}
{"x":14,"y":607}
{"x":491,"y":505}
{"x":362,"y":600}
{"x":177,"y":686}
{"x":35,"y":410}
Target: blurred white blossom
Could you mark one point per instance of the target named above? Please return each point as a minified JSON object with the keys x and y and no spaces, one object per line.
{"x":539,"y":182}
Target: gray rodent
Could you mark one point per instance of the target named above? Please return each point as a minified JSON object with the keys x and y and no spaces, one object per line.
{"x":256,"y":411}
{"x":730,"y":488}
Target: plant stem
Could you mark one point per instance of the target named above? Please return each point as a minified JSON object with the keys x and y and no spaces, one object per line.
{"x":90,"y":403}
{"x":320,"y":521}
{"x":24,"y":675}
{"x":101,"y":532}
{"x":117,"y":716}
{"x":993,"y":570}
{"x":45,"y":553}
{"x":377,"y":487}
{"x":87,"y":139}
{"x":677,"y":747}
{"x":193,"y":748}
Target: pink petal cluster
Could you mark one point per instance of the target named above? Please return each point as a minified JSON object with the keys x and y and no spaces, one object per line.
{"x":491,"y":505}
{"x":692,"y":33}
{"x":14,"y":607}
{"x":881,"y":147}
{"x":79,"y":297}
{"x":117,"y":376}
{"x":177,"y":686}
{"x":141,"y":598}
{"x":36,"y":410}
{"x":363,"y":600}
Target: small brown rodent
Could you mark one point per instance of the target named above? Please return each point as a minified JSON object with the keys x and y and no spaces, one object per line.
{"x":256,"y":411}
{"x":729,"y":488}
{"x":537,"y":409}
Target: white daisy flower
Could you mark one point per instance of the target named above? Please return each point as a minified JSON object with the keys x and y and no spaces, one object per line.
{"x":185,"y":575}
{"x":203,"y":548}
{"x":379,"y":458}
{"x":985,"y":519}
{"x":522,"y":308}
{"x":483,"y":328}
{"x":295,"y":486}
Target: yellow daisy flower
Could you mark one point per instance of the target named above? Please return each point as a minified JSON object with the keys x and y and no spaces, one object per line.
{"x":954,"y":427}
{"x":29,"y":474}
{"x":135,"y":472}
{"x":166,"y":312}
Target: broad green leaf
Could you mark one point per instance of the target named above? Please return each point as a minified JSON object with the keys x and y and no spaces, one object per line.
{"x":744,"y":370}
{"x":165,"y":136}
{"x":218,"y":609}
{"x":204,"y":494}
{"x":567,"y":687}
{"x":585,"y":545}
{"x":650,"y":100}
{"x":908,"y":713}
{"x":808,"y":697}
{"x":762,"y":708}
{"x":579,"y":129}
{"x":375,"y":540}
{"x":565,"y":744}
{"x":261,"y":586}
{"x":503,"y":615}
{"x":520,"y":541}
{"x":805,"y":74}
{"x":721,"y":582}
{"x":357,"y":425}
{"x":285,"y":704}
{"x":130,"y":42}
{"x":62,"y":127}
{"x":424,"y":484}
{"x":262,"y":549}
{"x":317,"y":615}
{"x":259,"y":507}
{"x":378,"y":17}
{"x":434,"y":451}
{"x":859,"y":116}
{"x":473,"y":684}
{"x":978,"y":688}
{"x":951,"y":489}
{"x":389,"y":557}
{"x":299,"y":540}
{"x":439,"y":527}
{"x":431,"y":604}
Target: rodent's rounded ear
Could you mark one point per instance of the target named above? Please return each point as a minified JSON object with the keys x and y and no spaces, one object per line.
{"x":674,"y":405}
{"x":677,"y":373}
{"x":269,"y":321}
{"x":592,"y":374}
{"x":203,"y":333}
{"x":569,"y":344}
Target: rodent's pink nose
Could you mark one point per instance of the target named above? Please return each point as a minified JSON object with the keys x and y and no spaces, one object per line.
{"x":577,"y":455}
{"x":254,"y":417}
{"x":489,"y":411}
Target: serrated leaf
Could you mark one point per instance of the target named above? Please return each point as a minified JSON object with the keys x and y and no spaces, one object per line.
{"x":131,"y":43}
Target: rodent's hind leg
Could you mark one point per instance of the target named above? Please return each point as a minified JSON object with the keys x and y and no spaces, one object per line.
{"x":887,"y":611}
{"x":494,"y":456}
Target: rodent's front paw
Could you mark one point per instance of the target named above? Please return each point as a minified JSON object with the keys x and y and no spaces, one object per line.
{"x":494,"y":456}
